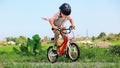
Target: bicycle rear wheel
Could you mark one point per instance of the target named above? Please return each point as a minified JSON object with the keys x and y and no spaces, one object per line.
{"x":52,"y":55}
{"x":73,"y":51}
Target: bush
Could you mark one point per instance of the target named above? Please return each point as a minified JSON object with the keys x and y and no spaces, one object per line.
{"x":33,"y":46}
{"x":115,"y":49}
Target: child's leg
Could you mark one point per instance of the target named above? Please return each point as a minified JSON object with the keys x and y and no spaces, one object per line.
{"x":56,"y":37}
{"x":62,"y":34}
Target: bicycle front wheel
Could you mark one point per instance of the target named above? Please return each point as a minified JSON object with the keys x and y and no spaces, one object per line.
{"x":52,"y":54}
{"x":73,"y":51}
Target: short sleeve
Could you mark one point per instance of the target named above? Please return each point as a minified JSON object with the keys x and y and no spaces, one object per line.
{"x":69,"y":17}
{"x":55,"y":16}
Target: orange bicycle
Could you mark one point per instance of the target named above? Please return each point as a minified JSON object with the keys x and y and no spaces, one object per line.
{"x":70,"y":49}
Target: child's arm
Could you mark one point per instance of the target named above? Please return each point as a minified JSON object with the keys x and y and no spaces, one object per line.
{"x":72,"y":22}
{"x":52,"y":23}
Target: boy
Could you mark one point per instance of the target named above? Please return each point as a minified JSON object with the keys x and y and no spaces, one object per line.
{"x":59,"y":19}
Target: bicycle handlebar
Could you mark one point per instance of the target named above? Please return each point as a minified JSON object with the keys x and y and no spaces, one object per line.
{"x":69,"y":30}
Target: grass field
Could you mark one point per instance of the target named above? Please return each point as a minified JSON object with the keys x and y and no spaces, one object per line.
{"x":89,"y":57}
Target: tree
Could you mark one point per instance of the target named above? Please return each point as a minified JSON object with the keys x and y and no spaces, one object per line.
{"x":102,"y":36}
{"x":112,"y":37}
{"x":118,"y":36}
{"x":11,"y":39}
{"x":93,"y":38}
{"x":21,"y":40}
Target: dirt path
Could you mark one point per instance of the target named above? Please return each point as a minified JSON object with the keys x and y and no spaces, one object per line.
{"x":61,"y":65}
{"x":1,"y":65}
{"x":72,"y":64}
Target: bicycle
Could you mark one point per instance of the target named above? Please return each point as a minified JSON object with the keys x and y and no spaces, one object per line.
{"x":70,"y":49}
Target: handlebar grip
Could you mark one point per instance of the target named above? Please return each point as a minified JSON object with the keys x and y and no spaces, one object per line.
{"x":70,"y":27}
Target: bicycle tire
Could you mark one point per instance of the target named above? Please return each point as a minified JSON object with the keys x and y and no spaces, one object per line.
{"x":70,"y":53}
{"x":54,"y":52}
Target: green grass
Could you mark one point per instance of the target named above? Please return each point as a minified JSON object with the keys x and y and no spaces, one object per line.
{"x":7,"y":48}
{"x":98,"y":55}
{"x":116,"y":42}
{"x":8,"y":58}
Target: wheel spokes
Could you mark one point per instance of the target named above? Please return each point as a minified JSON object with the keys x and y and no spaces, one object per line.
{"x":73,"y":52}
{"x":52,"y":55}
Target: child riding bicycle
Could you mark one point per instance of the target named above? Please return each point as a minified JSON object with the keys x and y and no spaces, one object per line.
{"x":58,"y":20}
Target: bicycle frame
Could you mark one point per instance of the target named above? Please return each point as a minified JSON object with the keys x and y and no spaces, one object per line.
{"x":66,"y":41}
{"x":63,"y":45}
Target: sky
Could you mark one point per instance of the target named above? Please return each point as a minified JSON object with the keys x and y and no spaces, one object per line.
{"x":91,"y":17}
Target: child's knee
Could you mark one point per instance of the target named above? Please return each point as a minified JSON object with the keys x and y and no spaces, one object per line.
{"x":57,"y":32}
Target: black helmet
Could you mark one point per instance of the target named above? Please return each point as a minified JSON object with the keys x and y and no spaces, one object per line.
{"x":65,"y":8}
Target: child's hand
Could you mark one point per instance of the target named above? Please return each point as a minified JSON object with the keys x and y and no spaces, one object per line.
{"x":47,"y":19}
{"x":73,"y":26}
{"x":55,"y":27}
